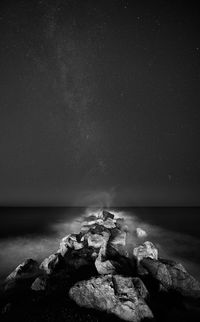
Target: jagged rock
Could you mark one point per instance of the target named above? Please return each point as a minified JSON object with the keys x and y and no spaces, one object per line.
{"x":112,"y":294}
{"x":105,"y":267}
{"x":146,"y":250}
{"x":39,"y":284}
{"x":117,"y":244}
{"x":141,"y":233}
{"x":23,"y":274}
{"x":107,"y":215}
{"x":70,"y":241}
{"x":97,"y":240}
{"x":52,"y":263}
{"x":109,"y":223}
{"x":172,"y":277}
{"x":102,"y":265}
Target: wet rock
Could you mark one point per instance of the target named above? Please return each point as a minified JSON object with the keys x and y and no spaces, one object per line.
{"x":146,"y":250}
{"x":172,"y":277}
{"x":112,"y":294}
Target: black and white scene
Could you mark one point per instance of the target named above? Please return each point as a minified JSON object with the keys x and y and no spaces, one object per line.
{"x":99,"y":161}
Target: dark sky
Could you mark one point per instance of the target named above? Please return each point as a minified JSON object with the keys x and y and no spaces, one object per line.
{"x":99,"y":99}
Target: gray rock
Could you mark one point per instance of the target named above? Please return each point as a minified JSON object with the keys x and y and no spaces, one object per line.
{"x":70,"y":241}
{"x":112,"y":294}
{"x":172,"y":277}
{"x":39,"y":284}
{"x":140,"y":288}
{"x":97,"y":240}
{"x":51,"y":263}
{"x":107,"y":215}
{"x":146,"y":250}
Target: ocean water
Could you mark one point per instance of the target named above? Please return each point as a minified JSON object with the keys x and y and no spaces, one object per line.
{"x":36,"y":232}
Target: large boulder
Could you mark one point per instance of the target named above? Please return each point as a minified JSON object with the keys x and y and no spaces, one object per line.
{"x":146,"y":250}
{"x":172,"y":277}
{"x":23,"y":275}
{"x":112,"y":294}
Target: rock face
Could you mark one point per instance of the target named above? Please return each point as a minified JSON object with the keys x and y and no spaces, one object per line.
{"x":172,"y":276}
{"x":113,"y":294}
{"x":146,"y":250}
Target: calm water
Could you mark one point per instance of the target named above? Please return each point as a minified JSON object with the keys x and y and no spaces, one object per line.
{"x":35,"y":232}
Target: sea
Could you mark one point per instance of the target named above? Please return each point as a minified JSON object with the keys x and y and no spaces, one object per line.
{"x":36,"y":232}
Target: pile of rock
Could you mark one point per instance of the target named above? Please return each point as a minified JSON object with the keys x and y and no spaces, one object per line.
{"x":103,"y":275}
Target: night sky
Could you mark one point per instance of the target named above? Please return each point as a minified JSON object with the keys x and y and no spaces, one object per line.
{"x":99,"y":100}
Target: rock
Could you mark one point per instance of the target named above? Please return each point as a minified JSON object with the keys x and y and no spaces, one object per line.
{"x":102,"y":265}
{"x":97,"y":240}
{"x":140,"y":233}
{"x":109,"y":223}
{"x":146,"y":250}
{"x":70,"y":241}
{"x":23,"y":275}
{"x":52,"y":263}
{"x":81,"y":262}
{"x":172,"y":277}
{"x":140,"y":287}
{"x":39,"y":284}
{"x":117,"y":244}
{"x":112,"y":294}
{"x":107,"y":215}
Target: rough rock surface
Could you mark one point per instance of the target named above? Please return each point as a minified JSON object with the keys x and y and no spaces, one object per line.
{"x":146,"y":250}
{"x":113,"y":294}
{"x":172,"y":277}
{"x":39,"y":284}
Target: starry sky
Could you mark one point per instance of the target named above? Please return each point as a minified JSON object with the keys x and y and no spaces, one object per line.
{"x":99,"y":100}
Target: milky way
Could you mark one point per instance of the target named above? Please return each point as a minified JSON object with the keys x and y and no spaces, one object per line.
{"x":99,"y":95}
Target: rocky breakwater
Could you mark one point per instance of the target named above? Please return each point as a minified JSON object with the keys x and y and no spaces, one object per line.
{"x":97,"y":269}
